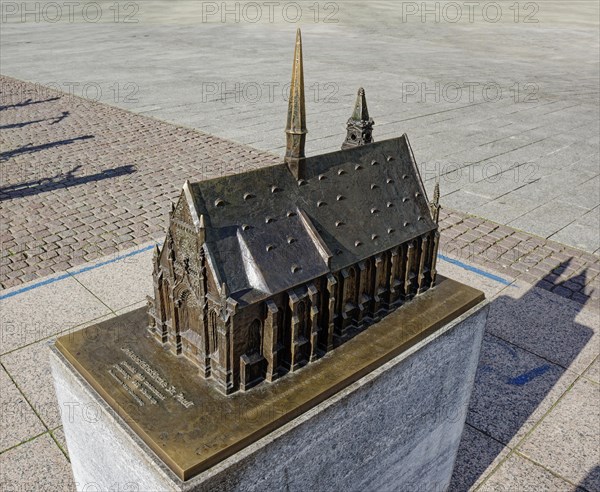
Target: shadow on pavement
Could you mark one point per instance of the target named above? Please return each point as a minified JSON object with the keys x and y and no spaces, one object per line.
{"x":53,"y":121}
{"x":27,"y":102}
{"x":529,"y":344}
{"x":591,"y":481}
{"x":30,"y":149}
{"x":60,"y":181}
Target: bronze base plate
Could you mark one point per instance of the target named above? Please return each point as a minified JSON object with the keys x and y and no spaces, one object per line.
{"x":190,"y":425}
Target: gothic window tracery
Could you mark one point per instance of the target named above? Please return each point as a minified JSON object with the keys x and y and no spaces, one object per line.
{"x":302,"y":320}
{"x":351,"y":286}
{"x":213,"y":332}
{"x":255,"y":338}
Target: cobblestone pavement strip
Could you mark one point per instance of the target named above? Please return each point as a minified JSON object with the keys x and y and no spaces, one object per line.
{"x":82,"y":180}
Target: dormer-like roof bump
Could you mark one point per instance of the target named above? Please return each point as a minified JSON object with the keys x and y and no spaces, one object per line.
{"x":349,"y":229}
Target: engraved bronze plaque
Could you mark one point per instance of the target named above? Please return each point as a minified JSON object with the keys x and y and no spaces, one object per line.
{"x":192,"y":426}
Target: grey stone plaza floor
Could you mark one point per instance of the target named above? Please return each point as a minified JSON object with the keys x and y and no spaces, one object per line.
{"x":532,"y":422}
{"x":85,"y":188}
{"x":499,"y":98}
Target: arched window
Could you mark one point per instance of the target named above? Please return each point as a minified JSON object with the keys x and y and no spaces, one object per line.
{"x":167,"y":300}
{"x":302,"y":320}
{"x":350,"y":282}
{"x":183,"y":312}
{"x":212,"y":329}
{"x":254,"y":338}
{"x":184,"y":296}
{"x":368,"y":288}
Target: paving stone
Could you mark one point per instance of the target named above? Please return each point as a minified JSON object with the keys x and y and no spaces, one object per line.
{"x":562,"y":291}
{"x":548,"y":219}
{"x":566,"y":441}
{"x":18,"y":421}
{"x":30,"y":368}
{"x":129,"y":279}
{"x":513,"y":390}
{"x":36,"y":465}
{"x":577,"y":233}
{"x":478,"y":455}
{"x":557,"y":329}
{"x":593,"y":372}
{"x":59,"y":436}
{"x":580,"y":298}
{"x":42,"y":312}
{"x":520,"y":474}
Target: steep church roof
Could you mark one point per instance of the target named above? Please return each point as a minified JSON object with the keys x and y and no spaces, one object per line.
{"x":272,"y":229}
{"x":265,"y":231}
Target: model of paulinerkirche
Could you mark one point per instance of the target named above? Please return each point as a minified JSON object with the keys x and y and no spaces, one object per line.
{"x":265,"y":271}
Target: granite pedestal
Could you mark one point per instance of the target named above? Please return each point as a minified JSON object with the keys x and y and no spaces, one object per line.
{"x":396,"y":427}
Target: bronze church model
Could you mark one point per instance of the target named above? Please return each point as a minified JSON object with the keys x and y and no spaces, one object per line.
{"x":265,"y":271}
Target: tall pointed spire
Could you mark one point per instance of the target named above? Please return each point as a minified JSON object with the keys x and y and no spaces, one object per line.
{"x":360,"y":125}
{"x":296,"y":119}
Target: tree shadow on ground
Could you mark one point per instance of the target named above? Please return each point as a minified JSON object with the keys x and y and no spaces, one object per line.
{"x":529,"y":344}
{"x":60,"y":180}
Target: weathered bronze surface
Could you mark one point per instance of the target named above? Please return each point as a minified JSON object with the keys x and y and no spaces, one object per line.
{"x":295,"y":129}
{"x":266,"y":271}
{"x":359,"y":129}
{"x":190,"y":425}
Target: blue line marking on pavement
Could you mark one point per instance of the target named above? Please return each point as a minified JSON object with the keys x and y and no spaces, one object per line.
{"x":146,"y":248}
{"x":473,"y":269}
{"x":528,"y":376}
{"x":76,"y":272}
